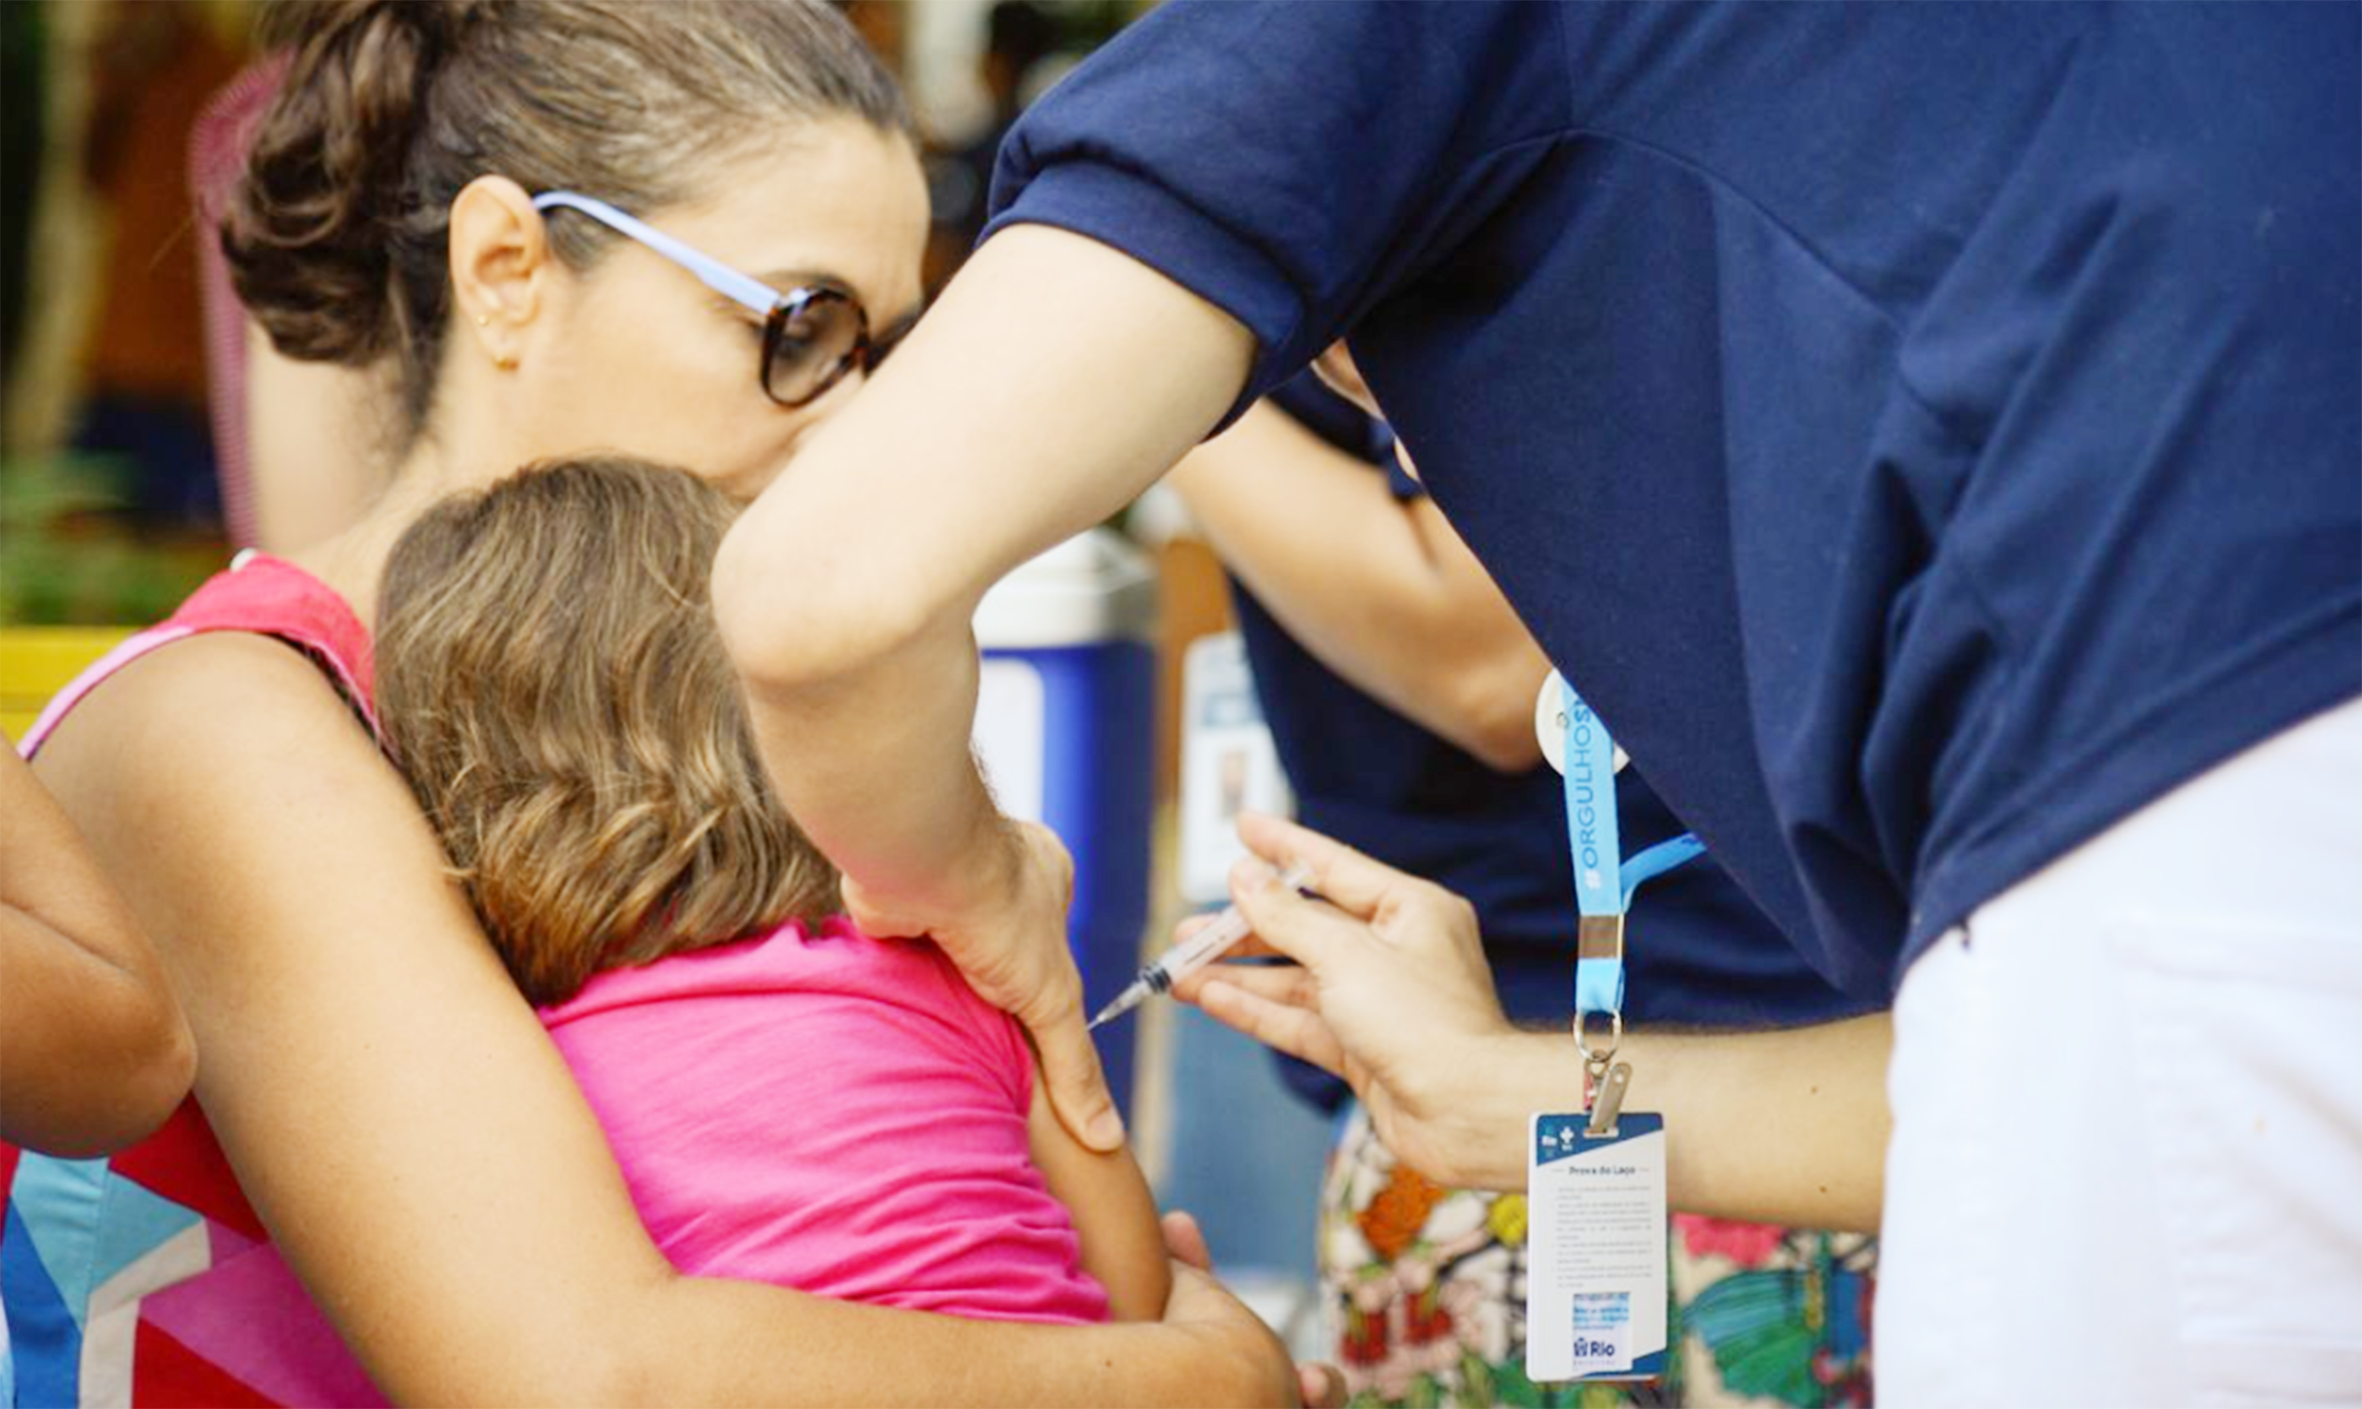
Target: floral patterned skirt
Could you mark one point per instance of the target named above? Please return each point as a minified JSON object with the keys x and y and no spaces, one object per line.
{"x":1425,"y":1290}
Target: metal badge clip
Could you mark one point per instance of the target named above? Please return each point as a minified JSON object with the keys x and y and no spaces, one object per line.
{"x":1607,"y":1100}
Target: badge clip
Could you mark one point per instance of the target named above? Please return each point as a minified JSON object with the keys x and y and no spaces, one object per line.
{"x":1607,"y":1101}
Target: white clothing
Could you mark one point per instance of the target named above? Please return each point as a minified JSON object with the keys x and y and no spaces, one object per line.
{"x":2127,"y":1155}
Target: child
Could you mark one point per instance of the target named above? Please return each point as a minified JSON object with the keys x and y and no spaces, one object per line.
{"x":789,"y":1099}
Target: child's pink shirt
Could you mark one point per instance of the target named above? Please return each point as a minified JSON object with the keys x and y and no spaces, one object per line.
{"x":829,"y":1112}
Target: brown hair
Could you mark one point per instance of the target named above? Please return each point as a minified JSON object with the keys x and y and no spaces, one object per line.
{"x":338,"y":236}
{"x":551,"y":680}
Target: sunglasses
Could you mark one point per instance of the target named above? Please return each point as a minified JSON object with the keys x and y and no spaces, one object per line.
{"x":812,"y":336}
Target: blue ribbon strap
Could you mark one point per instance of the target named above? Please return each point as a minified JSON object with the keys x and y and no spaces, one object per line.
{"x":1658,"y":859}
{"x":1591,"y":809}
{"x":1604,"y":882}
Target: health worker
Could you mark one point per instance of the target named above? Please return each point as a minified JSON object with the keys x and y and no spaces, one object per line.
{"x":1926,"y":435}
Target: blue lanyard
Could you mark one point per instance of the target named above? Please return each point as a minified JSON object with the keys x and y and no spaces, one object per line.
{"x":1604,"y":880}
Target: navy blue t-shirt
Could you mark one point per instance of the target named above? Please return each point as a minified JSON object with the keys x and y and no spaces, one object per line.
{"x":1700,"y":954}
{"x":1926,"y":433}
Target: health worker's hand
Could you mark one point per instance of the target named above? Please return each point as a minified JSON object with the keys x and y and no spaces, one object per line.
{"x":1394,"y":993}
{"x":1003,"y":922}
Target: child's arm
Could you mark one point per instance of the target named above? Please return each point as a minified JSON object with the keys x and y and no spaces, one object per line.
{"x":1122,"y":1245}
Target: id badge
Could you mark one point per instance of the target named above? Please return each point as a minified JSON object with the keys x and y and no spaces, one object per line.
{"x":1596,"y":1276}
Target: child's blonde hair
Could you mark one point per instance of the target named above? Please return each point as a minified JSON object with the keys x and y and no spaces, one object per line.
{"x":551,"y":680}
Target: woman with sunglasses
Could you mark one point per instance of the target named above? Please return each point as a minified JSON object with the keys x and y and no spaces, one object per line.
{"x":387,"y":1185}
{"x":1927,"y":435}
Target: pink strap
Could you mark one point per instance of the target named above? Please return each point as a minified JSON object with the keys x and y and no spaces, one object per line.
{"x":63,"y":702}
{"x":261,"y":595}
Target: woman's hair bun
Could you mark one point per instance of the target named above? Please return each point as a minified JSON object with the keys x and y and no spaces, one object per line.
{"x":306,"y":232}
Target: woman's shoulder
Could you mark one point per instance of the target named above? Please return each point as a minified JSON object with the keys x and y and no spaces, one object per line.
{"x":253,"y":686}
{"x":223,"y":660}
{"x":209,"y":750}
{"x":211,"y":686}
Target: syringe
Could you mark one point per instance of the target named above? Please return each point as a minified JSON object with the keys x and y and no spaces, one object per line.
{"x":1193,"y":953}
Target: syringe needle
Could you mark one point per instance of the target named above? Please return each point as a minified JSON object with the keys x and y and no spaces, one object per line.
{"x":1193,"y":953}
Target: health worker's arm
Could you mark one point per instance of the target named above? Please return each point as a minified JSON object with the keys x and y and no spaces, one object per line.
{"x":1056,"y":379}
{"x":1379,"y":589}
{"x":94,"y":1052}
{"x":1779,"y":1126}
{"x":407,"y":1131}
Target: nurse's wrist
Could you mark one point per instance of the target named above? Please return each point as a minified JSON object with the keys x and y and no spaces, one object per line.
{"x":1496,"y":1082}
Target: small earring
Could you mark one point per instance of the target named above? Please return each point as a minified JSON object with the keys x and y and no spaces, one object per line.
{"x":505,"y":363}
{"x":483,"y":320}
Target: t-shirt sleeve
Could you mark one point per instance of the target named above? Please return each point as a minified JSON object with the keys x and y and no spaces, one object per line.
{"x":999,"y":1041}
{"x":1292,"y":163}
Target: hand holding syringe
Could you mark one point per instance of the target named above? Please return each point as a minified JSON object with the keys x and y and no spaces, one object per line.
{"x":1194,"y":953}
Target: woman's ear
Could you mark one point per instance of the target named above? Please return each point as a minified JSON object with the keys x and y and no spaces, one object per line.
{"x":500,"y":265}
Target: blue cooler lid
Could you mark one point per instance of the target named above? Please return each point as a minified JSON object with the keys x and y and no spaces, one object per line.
{"x":1095,"y":587}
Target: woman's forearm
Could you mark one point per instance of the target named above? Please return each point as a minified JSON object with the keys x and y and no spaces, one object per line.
{"x":94,"y":1055}
{"x":1391,"y":991}
{"x":94,"y":1051}
{"x":1783,"y":1126}
{"x":827,"y":1352}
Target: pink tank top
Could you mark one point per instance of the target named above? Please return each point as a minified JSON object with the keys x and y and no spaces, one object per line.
{"x":146,"y":1278}
{"x":262,"y":595}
